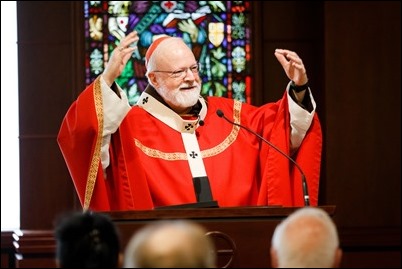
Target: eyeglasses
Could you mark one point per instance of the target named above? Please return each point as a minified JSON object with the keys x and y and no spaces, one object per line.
{"x":181,"y":73}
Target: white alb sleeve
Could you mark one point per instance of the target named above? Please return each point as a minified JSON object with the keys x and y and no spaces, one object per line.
{"x":300,"y":121}
{"x":114,"y":111}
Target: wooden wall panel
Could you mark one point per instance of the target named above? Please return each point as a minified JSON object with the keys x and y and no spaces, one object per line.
{"x":46,"y":191}
{"x":50,"y":69}
{"x":363,"y":131}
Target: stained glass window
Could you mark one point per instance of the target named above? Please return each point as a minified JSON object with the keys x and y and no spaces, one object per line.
{"x":218,"y":33}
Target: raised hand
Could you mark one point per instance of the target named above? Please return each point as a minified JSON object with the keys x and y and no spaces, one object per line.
{"x":293,"y":66}
{"x":119,"y":58}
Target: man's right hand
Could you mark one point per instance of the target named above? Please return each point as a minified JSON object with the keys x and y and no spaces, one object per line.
{"x":119,"y":58}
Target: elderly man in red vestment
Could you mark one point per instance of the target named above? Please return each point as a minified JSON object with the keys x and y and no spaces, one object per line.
{"x":172,"y":148}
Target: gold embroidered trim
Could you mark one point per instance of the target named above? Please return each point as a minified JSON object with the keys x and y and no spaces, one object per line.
{"x":154,"y":153}
{"x":175,"y":156}
{"x":230,"y":138}
{"x":93,"y":168}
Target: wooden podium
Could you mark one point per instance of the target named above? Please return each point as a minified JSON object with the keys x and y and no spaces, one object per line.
{"x":242,"y":235}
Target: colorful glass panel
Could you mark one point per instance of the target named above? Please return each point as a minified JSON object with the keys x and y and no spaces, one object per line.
{"x":218,"y":33}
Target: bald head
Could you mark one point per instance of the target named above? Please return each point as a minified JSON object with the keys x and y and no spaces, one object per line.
{"x":167,"y":53}
{"x":170,"y":244}
{"x":307,"y":238}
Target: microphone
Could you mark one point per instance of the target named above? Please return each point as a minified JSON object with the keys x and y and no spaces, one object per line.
{"x":303,"y":176}
{"x":200,"y":121}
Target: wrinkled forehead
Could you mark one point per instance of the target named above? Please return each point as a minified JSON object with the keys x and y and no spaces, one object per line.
{"x":154,"y":45}
{"x":171,"y":45}
{"x":167,"y":49}
{"x":172,"y":53}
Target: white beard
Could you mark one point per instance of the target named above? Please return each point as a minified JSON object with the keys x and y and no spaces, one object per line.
{"x":180,"y":98}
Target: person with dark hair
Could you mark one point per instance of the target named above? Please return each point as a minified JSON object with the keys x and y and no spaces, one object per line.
{"x":173,"y":147}
{"x":87,"y":240}
{"x":170,"y":244}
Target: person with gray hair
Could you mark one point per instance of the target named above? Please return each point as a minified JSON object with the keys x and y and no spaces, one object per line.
{"x":307,"y":238}
{"x":170,"y":244}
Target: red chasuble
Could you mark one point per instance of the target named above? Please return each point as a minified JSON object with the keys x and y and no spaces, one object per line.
{"x":149,"y":165}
